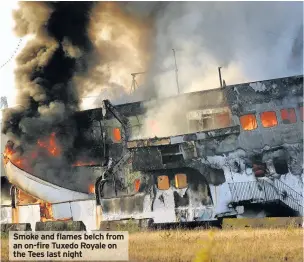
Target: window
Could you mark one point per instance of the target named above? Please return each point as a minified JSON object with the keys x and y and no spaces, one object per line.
{"x":222,"y":120}
{"x":163,"y":182}
{"x":301,"y":113}
{"x":248,"y":122}
{"x":136,"y":185}
{"x":116,"y":135}
{"x":288,"y":116}
{"x":269,"y":119}
{"x":180,"y":181}
{"x":280,"y":166}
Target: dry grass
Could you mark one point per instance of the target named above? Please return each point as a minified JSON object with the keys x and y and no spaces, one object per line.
{"x":226,"y":245}
{"x":212,"y":245}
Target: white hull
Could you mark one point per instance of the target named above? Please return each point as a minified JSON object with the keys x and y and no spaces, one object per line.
{"x":39,"y":188}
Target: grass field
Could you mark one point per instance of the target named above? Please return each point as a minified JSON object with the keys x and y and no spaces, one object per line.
{"x":212,"y":245}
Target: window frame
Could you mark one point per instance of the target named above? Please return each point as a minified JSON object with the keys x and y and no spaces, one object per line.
{"x":275,"y":118}
{"x":294,"y":112}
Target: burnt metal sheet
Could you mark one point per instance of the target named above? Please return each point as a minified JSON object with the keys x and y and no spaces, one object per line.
{"x":148,"y":142}
{"x":263,"y":91}
{"x":147,"y":159}
{"x":183,"y":138}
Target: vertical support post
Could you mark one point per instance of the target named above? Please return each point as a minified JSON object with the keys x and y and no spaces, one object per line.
{"x":176,"y":71}
{"x":220,"y":76}
{"x":265,"y":191}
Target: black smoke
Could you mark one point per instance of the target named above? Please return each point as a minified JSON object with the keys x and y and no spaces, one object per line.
{"x":47,"y":96}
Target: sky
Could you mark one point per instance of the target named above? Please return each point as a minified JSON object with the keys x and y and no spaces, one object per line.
{"x":8,"y":47}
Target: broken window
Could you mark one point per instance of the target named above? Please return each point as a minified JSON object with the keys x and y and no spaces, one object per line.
{"x":163,"y":182}
{"x":248,"y":122}
{"x":269,"y":119}
{"x":280,"y":166}
{"x":116,"y":134}
{"x":222,"y":120}
{"x":288,"y":116}
{"x":301,"y":113}
{"x":180,"y":181}
{"x":208,"y":119}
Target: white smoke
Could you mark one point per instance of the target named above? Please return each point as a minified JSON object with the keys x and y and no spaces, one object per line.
{"x":250,"y":40}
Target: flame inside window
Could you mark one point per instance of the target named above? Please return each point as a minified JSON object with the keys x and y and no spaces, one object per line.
{"x":163,"y":182}
{"x":137,"y":184}
{"x":248,"y":122}
{"x":180,"y":181}
{"x":288,"y":116}
{"x":116,"y":134}
{"x":269,"y":119}
{"x":91,"y":189}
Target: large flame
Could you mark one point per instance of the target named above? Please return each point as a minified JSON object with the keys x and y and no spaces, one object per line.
{"x":10,"y":154}
{"x":25,"y":161}
{"x":50,"y":145}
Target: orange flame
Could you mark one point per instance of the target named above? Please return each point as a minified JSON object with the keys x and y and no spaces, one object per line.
{"x":91,"y":189}
{"x":269,"y":119}
{"x":8,"y":155}
{"x":137,"y":185}
{"x":24,"y":198}
{"x":248,"y":122}
{"x":46,"y":213}
{"x":82,"y":163}
{"x":50,"y":145}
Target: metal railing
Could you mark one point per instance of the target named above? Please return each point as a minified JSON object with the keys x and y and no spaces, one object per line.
{"x":289,"y":196}
{"x":263,"y":191}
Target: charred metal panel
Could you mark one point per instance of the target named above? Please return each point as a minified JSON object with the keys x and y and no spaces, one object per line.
{"x":205,"y":135}
{"x":126,"y":204}
{"x":216,"y":146}
{"x":147,"y":159}
{"x":89,"y":134}
{"x":184,"y":138}
{"x":264,"y":91}
{"x":213,"y":176}
{"x":148,"y":142}
{"x":115,"y":150}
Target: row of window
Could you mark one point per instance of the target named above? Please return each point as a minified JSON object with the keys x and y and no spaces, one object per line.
{"x":180,"y":181}
{"x":269,"y":118}
{"x":249,"y":122}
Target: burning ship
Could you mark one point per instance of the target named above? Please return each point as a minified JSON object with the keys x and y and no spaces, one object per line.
{"x":237,"y":151}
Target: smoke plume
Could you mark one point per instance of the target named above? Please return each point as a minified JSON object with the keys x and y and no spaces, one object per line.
{"x":250,"y":41}
{"x":127,"y":40}
{"x":47,"y":94}
{"x":86,"y":48}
